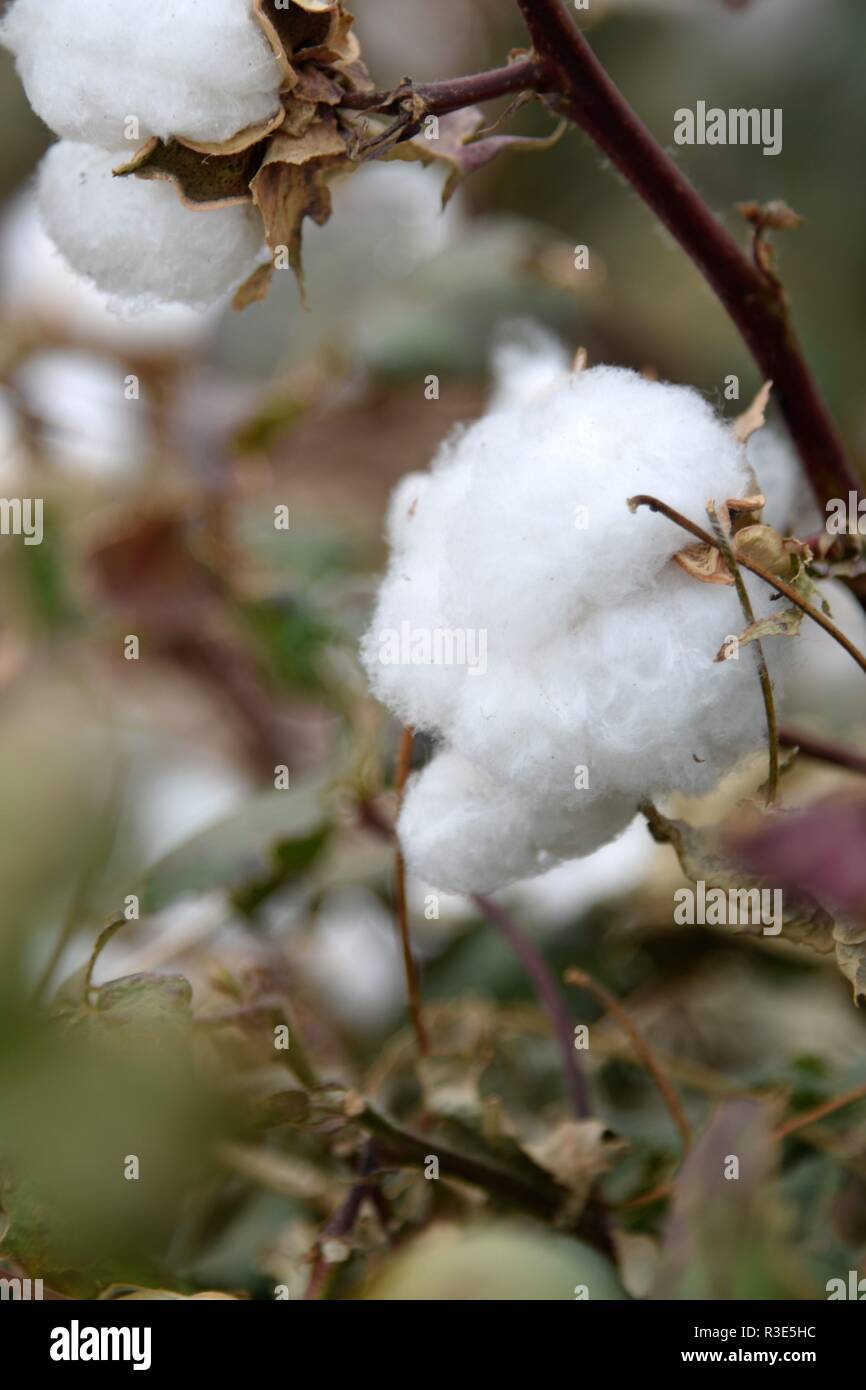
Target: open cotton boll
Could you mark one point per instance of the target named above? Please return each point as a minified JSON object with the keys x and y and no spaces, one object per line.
{"x":467,"y":832}
{"x":37,"y":283}
{"x":530,"y":555}
{"x":569,"y":671}
{"x":87,"y":424}
{"x":202,"y":69}
{"x":135,"y":239}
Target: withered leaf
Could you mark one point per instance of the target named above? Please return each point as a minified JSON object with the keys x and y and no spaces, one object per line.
{"x":704,"y":856}
{"x":775,"y":216}
{"x":455,"y":147}
{"x":753,"y":418}
{"x":255,"y":287}
{"x":704,"y":563}
{"x":243,"y":140}
{"x":301,"y":25}
{"x":786,"y":623}
{"x":201,"y":180}
{"x":291,"y":184}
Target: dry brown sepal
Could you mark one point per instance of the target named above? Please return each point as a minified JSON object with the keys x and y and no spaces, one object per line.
{"x":282,"y":165}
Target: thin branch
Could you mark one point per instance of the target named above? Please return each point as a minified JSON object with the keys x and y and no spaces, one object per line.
{"x":822,"y":750}
{"x":549,"y":996}
{"x":757,"y":307}
{"x":342,"y":1223}
{"x":778,"y":584}
{"x":610,"y":1002}
{"x":829,"y":1107}
{"x":763,"y":671}
{"x":540,"y":1195}
{"x":441,"y":98}
{"x":401,"y":908}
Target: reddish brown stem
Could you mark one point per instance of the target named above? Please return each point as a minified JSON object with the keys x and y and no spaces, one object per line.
{"x":454,"y":93}
{"x":549,"y":997}
{"x":757,"y":307}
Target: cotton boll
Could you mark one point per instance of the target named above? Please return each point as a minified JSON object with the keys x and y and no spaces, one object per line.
{"x":135,"y":239}
{"x":462,"y":831}
{"x":593,"y":682}
{"x":37,"y":283}
{"x":559,"y":537}
{"x":202,"y":69}
{"x":88,"y":424}
{"x":791,"y":507}
{"x":527,"y":362}
{"x":467,"y":832}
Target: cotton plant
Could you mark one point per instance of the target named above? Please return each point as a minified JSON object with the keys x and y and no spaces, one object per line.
{"x":550,"y":640}
{"x":194,"y":138}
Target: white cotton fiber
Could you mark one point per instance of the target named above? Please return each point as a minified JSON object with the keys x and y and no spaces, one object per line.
{"x":561,"y":660}
{"x":37,"y":283}
{"x":134,"y":238}
{"x":202,"y":69}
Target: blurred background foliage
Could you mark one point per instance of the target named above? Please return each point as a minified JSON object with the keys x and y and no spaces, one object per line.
{"x":156,"y":781}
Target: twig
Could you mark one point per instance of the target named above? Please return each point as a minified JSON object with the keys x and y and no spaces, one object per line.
{"x":343,"y":1221}
{"x":822,"y":750}
{"x":549,"y":996}
{"x":610,"y":1002}
{"x":761,"y":661}
{"x":441,"y":98}
{"x":778,"y":584}
{"x":757,"y":307}
{"x":401,"y":910}
{"x":828,"y":1107}
{"x":543,"y":1195}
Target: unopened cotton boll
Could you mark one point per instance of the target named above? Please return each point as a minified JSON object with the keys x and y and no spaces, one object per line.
{"x":561,"y":660}
{"x":103,"y":72}
{"x":135,"y":239}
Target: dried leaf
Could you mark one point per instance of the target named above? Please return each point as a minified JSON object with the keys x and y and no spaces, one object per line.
{"x":753,"y":418}
{"x":243,"y":140}
{"x":703,"y":859}
{"x":455,"y":146}
{"x":785,"y":623}
{"x":201,"y":180}
{"x":774,"y":216}
{"x":291,"y":184}
{"x":704,"y":563}
{"x":575,"y":1153}
{"x":255,"y":287}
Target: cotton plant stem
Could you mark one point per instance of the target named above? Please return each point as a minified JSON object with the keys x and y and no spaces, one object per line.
{"x":756,"y":305}
{"x":549,"y":996}
{"x":342,"y":1223}
{"x":781,"y":587}
{"x":543,"y":1196}
{"x":761,"y":661}
{"x":401,"y":907}
{"x":453,"y":94}
{"x":610,"y":1002}
{"x":822,"y":750}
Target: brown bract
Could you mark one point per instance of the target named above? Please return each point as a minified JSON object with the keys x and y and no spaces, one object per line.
{"x":282,"y":165}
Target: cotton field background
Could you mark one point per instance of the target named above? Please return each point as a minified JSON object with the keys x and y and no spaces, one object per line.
{"x":432,"y":674}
